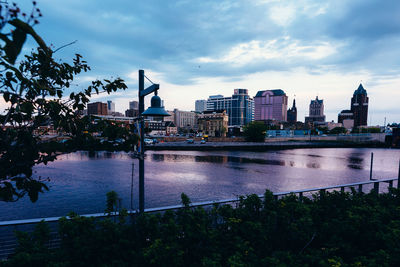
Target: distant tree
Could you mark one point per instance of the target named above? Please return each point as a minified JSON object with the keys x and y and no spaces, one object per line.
{"x":323,"y":129}
{"x":34,"y":89}
{"x":338,"y":130}
{"x":255,"y":131}
{"x":370,"y":130}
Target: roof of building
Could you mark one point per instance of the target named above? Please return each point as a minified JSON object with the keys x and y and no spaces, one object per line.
{"x":346,"y":111}
{"x":214,"y":111}
{"x":360,"y":90}
{"x":276,"y":92}
{"x":320,"y":101}
{"x":169,"y":124}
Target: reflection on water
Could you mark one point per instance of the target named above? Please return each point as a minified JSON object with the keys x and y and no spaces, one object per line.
{"x":354,"y":162}
{"x":79,"y":181}
{"x":214,"y":159}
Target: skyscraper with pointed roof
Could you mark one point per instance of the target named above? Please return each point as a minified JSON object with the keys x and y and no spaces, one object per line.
{"x":292,"y":113}
{"x":359,"y":106}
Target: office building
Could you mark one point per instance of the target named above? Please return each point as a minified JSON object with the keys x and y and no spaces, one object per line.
{"x":185,"y":119}
{"x":200,"y":105}
{"x":110,"y":107}
{"x":132,"y":113}
{"x":134,"y":105}
{"x":239,"y":107}
{"x":133,"y":110}
{"x":359,"y":106}
{"x":316,"y":111}
{"x":270,"y":105}
{"x":358,"y":114}
{"x":97,"y":108}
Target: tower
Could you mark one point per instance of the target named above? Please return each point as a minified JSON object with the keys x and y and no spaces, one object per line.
{"x":359,"y":106}
{"x":316,"y":113}
{"x":292,"y":113}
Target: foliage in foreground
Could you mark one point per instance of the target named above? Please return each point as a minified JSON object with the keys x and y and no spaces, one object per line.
{"x":36,"y":90}
{"x":333,"y":229}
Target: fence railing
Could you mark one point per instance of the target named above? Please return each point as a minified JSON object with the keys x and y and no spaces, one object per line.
{"x":8,"y":240}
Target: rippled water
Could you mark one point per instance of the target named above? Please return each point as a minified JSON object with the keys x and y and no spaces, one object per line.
{"x":79,"y":181}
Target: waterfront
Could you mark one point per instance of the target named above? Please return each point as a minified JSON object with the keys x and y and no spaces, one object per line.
{"x":79,"y":181}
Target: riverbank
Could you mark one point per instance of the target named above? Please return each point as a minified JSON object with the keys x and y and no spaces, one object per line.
{"x":253,"y":146}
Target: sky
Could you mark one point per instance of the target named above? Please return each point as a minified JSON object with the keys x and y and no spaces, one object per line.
{"x":195,"y":49}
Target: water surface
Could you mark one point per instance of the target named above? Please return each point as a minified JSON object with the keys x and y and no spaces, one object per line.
{"x":79,"y":181}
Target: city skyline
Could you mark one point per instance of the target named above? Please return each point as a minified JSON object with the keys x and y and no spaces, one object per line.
{"x":303,"y":47}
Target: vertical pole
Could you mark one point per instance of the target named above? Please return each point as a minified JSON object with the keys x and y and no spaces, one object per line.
{"x":360,"y":188}
{"x":370,"y":169}
{"x":376,"y":188}
{"x":398,"y":178}
{"x":141,"y":156}
{"x":133,"y":172}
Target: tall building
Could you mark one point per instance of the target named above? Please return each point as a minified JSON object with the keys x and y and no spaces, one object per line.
{"x":239,"y":107}
{"x":316,"y":112}
{"x":200,"y":105}
{"x":131,"y":113}
{"x":358,"y":114}
{"x":292,"y":113}
{"x":97,"y":108}
{"x":110,"y":107}
{"x":133,"y":110}
{"x":359,"y":106}
{"x":270,"y":105}
{"x":134,"y":105}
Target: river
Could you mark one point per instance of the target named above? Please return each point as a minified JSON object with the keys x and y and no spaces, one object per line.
{"x":79,"y":181}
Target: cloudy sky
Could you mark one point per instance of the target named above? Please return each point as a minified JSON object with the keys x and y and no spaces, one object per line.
{"x":194,"y":49}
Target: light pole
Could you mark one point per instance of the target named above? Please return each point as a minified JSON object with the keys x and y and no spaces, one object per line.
{"x":155,"y":110}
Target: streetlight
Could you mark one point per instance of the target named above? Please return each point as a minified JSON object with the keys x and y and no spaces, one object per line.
{"x":154,"y":110}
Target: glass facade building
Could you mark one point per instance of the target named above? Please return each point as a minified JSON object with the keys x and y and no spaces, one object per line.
{"x":239,"y":107}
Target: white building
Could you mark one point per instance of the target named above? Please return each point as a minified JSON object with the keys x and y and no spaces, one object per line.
{"x":185,"y":119}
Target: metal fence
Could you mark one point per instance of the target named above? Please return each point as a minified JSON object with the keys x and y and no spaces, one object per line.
{"x":8,"y":240}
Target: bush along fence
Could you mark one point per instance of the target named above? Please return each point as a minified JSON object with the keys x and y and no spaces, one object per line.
{"x":330,"y":228}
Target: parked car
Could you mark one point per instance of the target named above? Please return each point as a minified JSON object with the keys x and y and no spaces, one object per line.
{"x":190,"y":141}
{"x":155,"y":141}
{"x":148,"y":141}
{"x":203,"y":141}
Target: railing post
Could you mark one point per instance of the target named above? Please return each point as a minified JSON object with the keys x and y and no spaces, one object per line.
{"x":301,"y":196}
{"x":370,"y":169}
{"x":360,"y":186}
{"x":342,"y":189}
{"x":376,"y":188}
{"x":322,"y":193}
{"x":398,"y":177}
